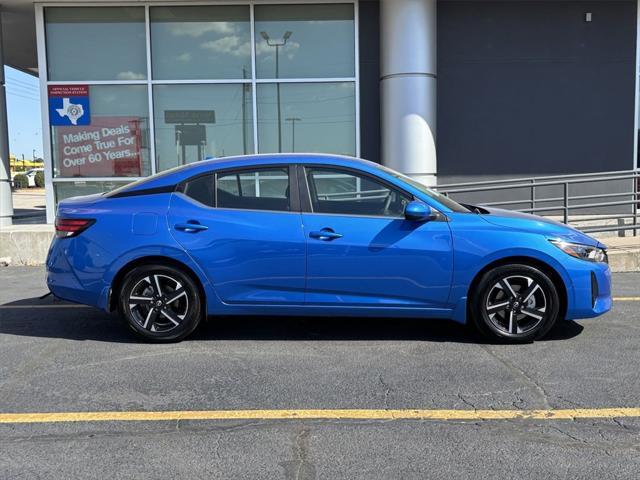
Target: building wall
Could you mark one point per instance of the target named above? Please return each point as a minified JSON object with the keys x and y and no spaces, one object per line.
{"x":369,"y":39}
{"x":531,"y":88}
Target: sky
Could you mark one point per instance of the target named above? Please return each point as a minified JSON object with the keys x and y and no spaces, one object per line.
{"x":24,"y":115}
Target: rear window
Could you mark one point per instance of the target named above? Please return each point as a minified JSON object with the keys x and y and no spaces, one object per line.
{"x":201,"y":189}
{"x":144,"y":181}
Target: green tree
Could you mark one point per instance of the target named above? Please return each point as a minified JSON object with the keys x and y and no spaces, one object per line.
{"x":39,"y":179}
{"x":20,"y":181}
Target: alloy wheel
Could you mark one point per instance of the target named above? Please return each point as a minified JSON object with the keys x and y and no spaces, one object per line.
{"x":516,"y":305}
{"x":158,"y":303}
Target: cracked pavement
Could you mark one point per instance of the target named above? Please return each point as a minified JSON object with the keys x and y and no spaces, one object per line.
{"x":57,"y":358}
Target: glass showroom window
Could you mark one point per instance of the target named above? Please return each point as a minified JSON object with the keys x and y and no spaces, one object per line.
{"x":76,"y":188}
{"x":305,"y":41}
{"x":203,"y":85}
{"x":301,"y":42}
{"x":96,"y":43}
{"x":114,"y":144}
{"x":199,"y":121}
{"x":315,"y":117}
{"x":201,"y":42}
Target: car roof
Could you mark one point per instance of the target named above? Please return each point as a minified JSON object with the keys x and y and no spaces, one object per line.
{"x":280,"y":158}
{"x":181,"y":173}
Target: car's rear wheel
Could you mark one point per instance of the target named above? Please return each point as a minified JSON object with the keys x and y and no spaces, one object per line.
{"x":517,"y":303}
{"x":160,"y":303}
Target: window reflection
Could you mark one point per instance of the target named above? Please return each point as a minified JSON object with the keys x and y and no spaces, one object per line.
{"x":304,"y":41}
{"x":195,"y":122}
{"x":200,"y":42}
{"x":313,"y":117}
{"x":75,"y":35}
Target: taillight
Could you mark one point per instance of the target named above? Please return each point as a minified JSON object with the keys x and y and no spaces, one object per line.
{"x":70,"y":227}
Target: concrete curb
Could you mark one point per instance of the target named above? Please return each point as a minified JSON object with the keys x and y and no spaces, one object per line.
{"x":28,"y":245}
{"x":624,"y":254}
{"x":25,"y":244}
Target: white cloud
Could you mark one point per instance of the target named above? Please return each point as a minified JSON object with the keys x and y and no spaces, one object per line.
{"x":239,"y":47}
{"x":131,"y":76}
{"x":184,"y":57}
{"x":192,"y":29}
{"x":232,"y":45}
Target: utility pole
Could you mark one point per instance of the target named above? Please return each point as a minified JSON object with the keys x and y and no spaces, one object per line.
{"x":277,"y":44}
{"x":244,"y":112}
{"x":293,"y":121}
{"x":6,"y":202}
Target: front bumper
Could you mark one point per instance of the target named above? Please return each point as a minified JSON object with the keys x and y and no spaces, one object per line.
{"x":592,"y":291}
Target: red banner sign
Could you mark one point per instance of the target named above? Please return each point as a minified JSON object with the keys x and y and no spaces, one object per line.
{"x":109,"y":147}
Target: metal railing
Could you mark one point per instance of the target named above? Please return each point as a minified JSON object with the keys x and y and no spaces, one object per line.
{"x":564,"y":196}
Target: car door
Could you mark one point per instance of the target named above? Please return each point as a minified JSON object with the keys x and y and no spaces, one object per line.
{"x":362,"y":251}
{"x":244,"y":229}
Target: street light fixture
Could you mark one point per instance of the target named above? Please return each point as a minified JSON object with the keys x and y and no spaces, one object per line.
{"x":277,"y":44}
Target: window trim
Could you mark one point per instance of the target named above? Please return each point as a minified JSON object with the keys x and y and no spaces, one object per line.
{"x":307,"y":206}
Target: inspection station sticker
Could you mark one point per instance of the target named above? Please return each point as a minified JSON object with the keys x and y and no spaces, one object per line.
{"x":69,"y":105}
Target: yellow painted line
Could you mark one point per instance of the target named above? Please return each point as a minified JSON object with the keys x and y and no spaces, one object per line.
{"x":356,"y":414}
{"x":626,"y":299}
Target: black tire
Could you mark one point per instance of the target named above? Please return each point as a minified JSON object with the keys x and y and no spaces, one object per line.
{"x":165,"y":316}
{"x":515,"y":303}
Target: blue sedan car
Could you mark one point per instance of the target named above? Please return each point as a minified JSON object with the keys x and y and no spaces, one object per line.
{"x":317,"y":235}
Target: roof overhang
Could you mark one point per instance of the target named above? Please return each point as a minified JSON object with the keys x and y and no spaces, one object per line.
{"x":19,"y":35}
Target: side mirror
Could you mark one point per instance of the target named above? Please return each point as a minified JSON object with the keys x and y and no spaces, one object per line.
{"x":419,"y":212}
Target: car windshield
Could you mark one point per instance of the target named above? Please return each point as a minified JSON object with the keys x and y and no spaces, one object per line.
{"x":443,"y":199}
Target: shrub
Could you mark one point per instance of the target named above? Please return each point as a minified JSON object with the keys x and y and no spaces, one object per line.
{"x":20,"y":181}
{"x":39,"y":179}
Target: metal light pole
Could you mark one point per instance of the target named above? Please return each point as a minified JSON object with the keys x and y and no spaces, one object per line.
{"x":6,"y":202}
{"x":277,"y":44}
{"x":293,"y":121}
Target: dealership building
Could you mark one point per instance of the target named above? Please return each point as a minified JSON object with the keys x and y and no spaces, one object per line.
{"x":444,"y":91}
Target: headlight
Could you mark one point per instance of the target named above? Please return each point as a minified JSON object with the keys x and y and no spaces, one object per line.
{"x":583,"y":252}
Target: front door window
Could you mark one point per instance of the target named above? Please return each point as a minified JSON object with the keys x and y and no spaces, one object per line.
{"x":343,"y":192}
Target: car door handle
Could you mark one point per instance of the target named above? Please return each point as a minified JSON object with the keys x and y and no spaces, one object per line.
{"x":325,"y":234}
{"x":190,"y":227}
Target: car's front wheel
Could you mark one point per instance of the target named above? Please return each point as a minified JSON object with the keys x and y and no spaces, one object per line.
{"x":519,"y":303}
{"x":160,"y":303}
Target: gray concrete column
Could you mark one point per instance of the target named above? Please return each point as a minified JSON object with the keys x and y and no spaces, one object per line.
{"x":408,"y":87}
{"x":6,"y":203}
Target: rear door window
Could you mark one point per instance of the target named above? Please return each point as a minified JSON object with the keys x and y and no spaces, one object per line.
{"x":254,"y":189}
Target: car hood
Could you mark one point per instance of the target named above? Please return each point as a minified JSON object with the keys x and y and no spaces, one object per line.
{"x":536,"y":224}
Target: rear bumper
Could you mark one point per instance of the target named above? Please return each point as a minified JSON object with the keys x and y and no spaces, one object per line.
{"x":61,"y":278}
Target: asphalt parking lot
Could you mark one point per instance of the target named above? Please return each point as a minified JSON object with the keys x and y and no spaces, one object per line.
{"x":56,"y":357}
